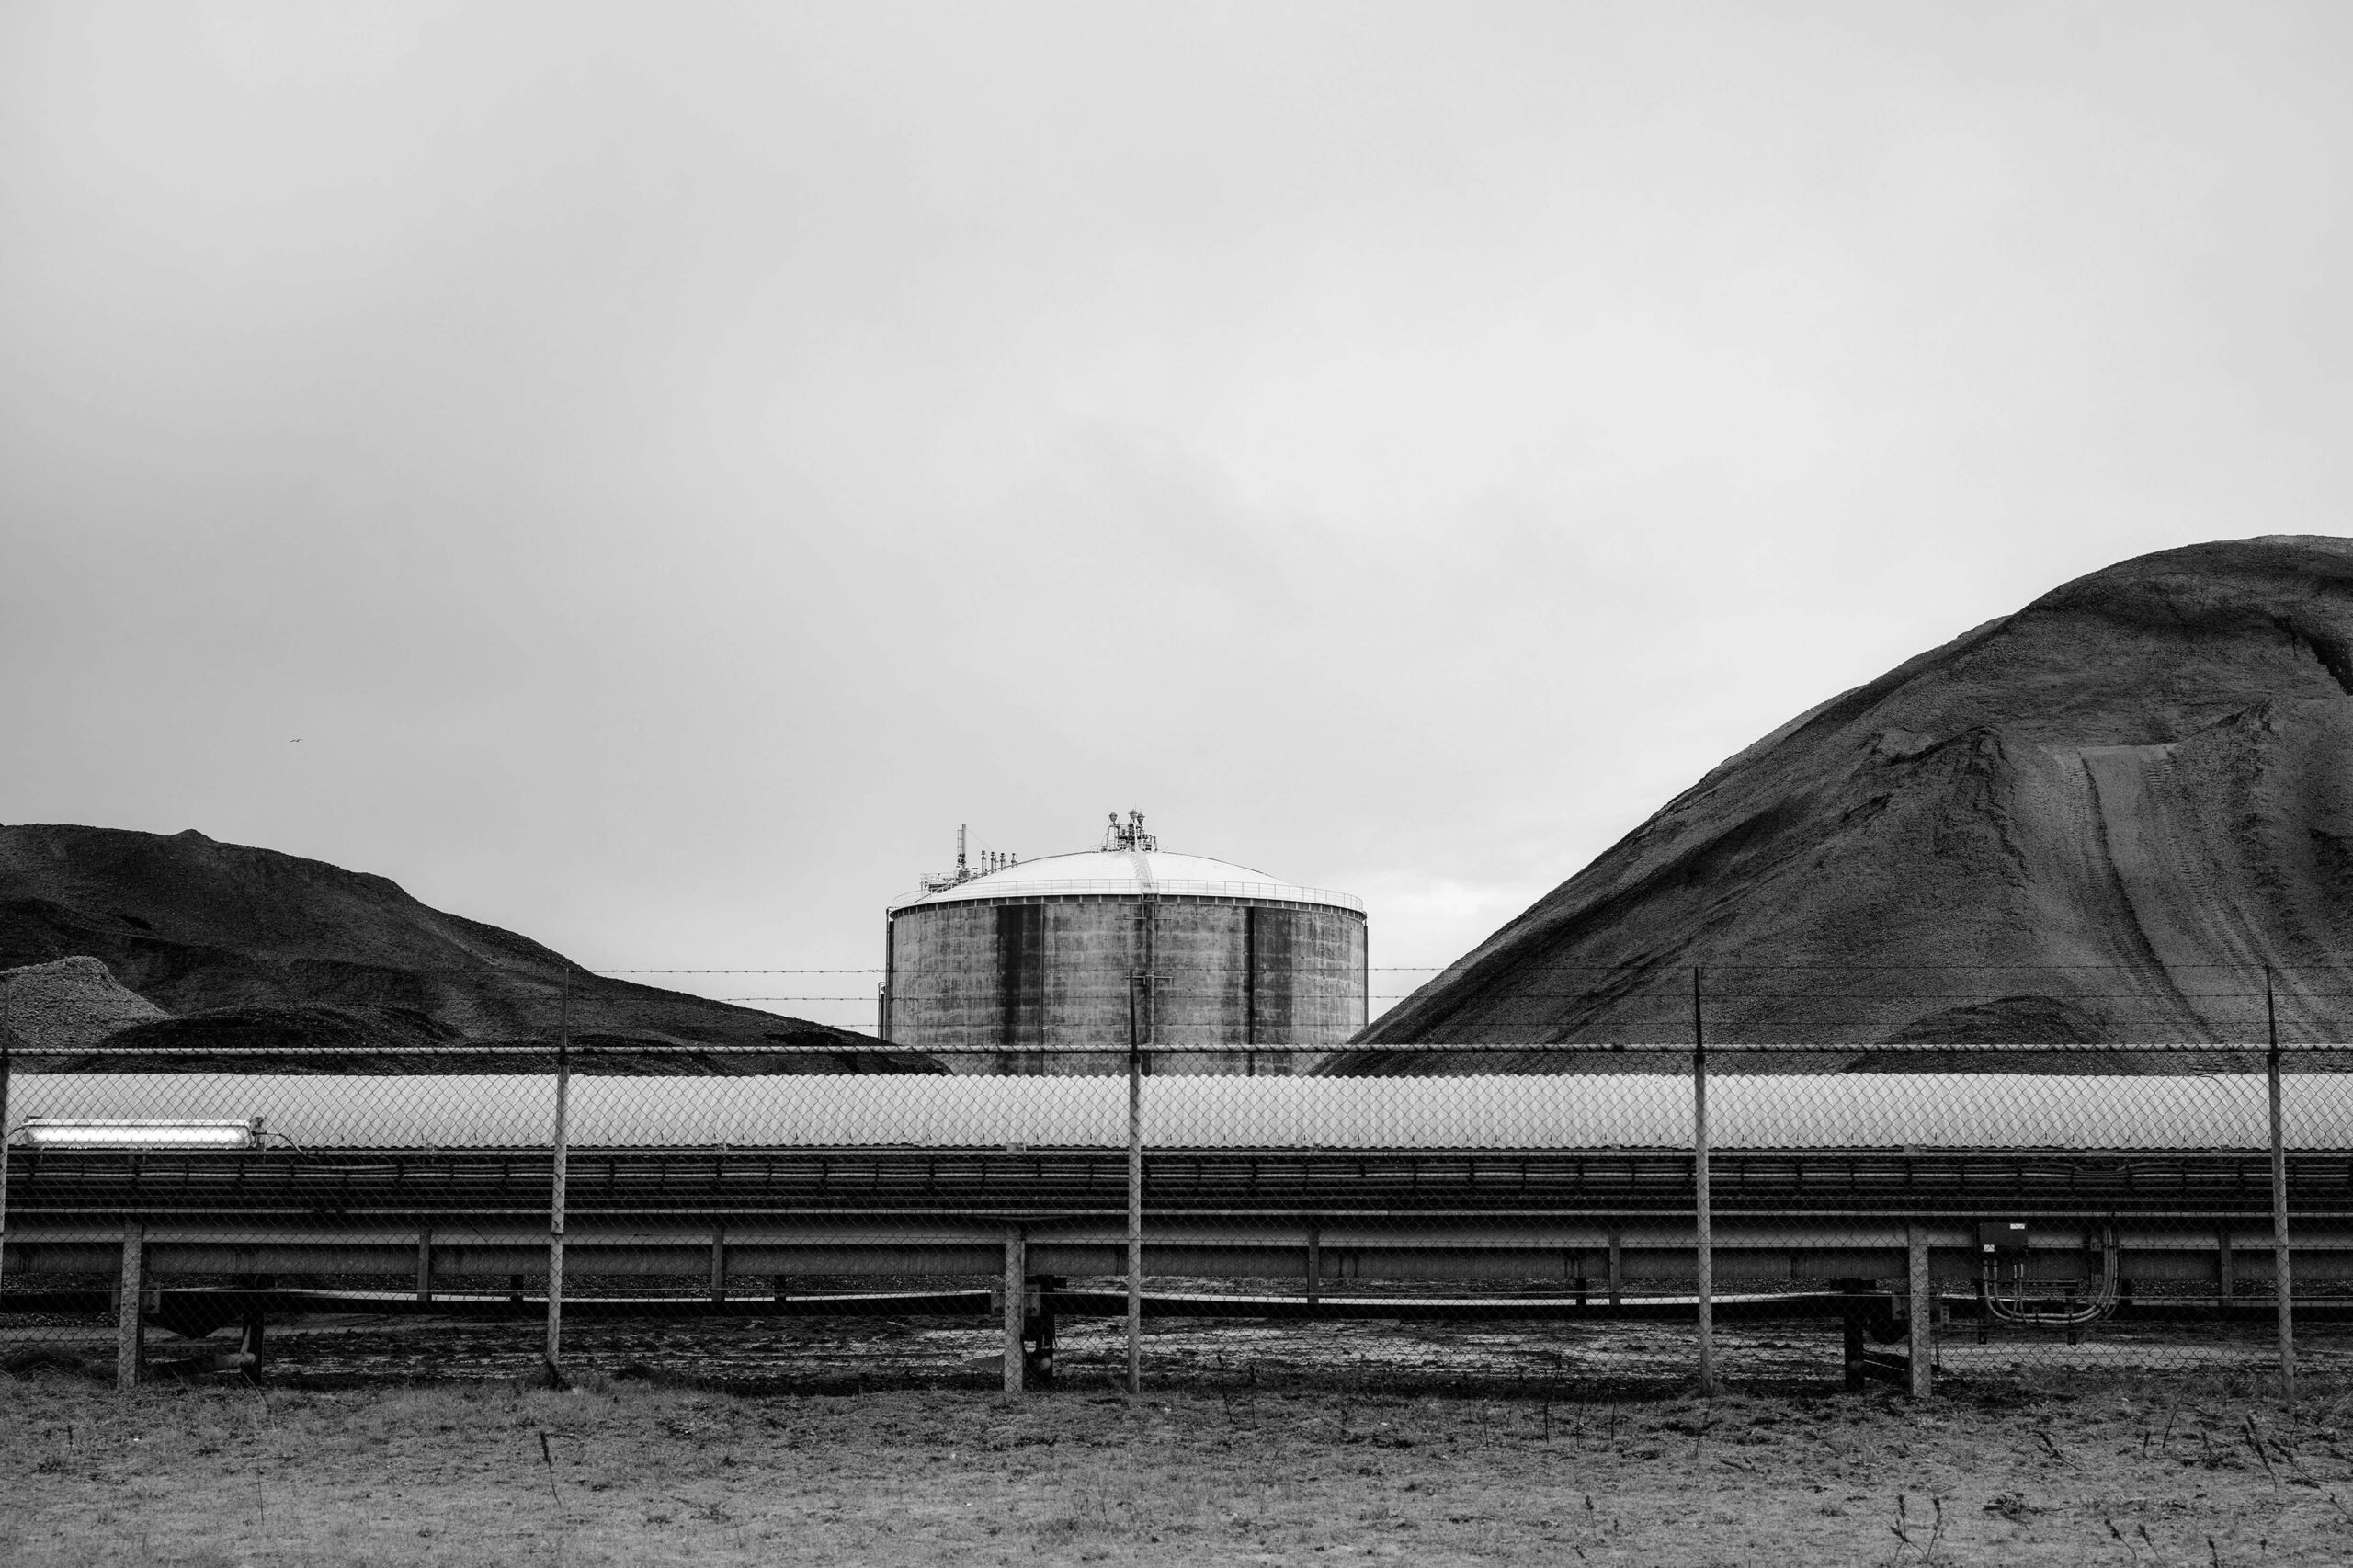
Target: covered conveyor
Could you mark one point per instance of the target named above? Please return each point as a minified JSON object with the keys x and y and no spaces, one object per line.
{"x":1544,"y":1197}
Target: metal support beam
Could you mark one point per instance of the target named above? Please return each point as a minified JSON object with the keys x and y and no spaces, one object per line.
{"x":1617,"y":1269}
{"x":1852,"y":1333}
{"x":1314,"y":1263}
{"x":718,"y":1265}
{"x":131,"y":1320}
{"x":1016,"y":1303}
{"x":425,"y":1263}
{"x":1922,"y":1345}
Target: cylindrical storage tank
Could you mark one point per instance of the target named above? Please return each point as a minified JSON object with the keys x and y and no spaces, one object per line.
{"x":1047,"y":958}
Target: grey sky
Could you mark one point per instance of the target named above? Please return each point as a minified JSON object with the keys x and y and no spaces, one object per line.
{"x":671,"y":464}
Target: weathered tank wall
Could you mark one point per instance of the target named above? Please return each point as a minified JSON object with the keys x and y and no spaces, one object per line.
{"x":1050,"y":975}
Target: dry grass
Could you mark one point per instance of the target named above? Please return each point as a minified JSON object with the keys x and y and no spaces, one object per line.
{"x":2177,"y":1472}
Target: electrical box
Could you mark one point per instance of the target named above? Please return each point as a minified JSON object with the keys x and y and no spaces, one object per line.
{"x":1997,"y":1238}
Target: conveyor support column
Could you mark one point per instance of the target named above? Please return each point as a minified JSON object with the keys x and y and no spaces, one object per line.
{"x":1017,"y":1306}
{"x":131,"y":1317}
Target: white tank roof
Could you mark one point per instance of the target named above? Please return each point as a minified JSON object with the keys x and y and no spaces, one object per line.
{"x":1125,"y":874}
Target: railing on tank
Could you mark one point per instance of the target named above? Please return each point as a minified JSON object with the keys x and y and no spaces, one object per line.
{"x":1277,"y":893}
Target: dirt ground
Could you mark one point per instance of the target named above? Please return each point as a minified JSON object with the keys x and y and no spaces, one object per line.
{"x":1233,"y":1464}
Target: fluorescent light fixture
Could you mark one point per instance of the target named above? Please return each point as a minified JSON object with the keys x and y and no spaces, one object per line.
{"x":42,"y":1132}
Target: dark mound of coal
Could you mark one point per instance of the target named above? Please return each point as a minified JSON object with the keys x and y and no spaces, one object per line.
{"x":2099,"y":820}
{"x":253,"y":952}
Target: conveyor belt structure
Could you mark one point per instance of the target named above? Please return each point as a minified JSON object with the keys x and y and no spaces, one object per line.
{"x":1571,"y":1193}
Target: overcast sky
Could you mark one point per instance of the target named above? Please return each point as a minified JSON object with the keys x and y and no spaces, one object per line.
{"x":670,"y":465}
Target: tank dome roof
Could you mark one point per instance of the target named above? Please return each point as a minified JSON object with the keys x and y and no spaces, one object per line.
{"x":1126,"y":873}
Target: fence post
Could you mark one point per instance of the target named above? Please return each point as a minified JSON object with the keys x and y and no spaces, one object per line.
{"x":1017,"y":1304}
{"x":719,"y":1263}
{"x":1706,"y":1260}
{"x":1921,"y":1342}
{"x":555,"y":1354}
{"x":425,"y":1263}
{"x":131,"y":1317}
{"x":2280,"y":1283}
{"x":1135,"y":1200}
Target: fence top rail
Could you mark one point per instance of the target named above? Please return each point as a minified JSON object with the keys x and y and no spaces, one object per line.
{"x":655,"y":1048}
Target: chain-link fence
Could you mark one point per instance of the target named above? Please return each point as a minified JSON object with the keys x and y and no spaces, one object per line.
{"x":1763,"y":1212}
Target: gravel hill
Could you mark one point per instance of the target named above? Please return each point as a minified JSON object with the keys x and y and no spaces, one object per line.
{"x":2098,"y":819}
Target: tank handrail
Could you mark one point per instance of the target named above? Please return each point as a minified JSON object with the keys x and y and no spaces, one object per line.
{"x":1282,"y":892}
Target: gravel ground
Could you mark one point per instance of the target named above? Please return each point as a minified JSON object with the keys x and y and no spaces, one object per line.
{"x":2170,"y":1469}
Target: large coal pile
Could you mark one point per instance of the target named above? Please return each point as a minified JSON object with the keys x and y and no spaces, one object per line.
{"x":243,"y":950}
{"x":2099,"y":820}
